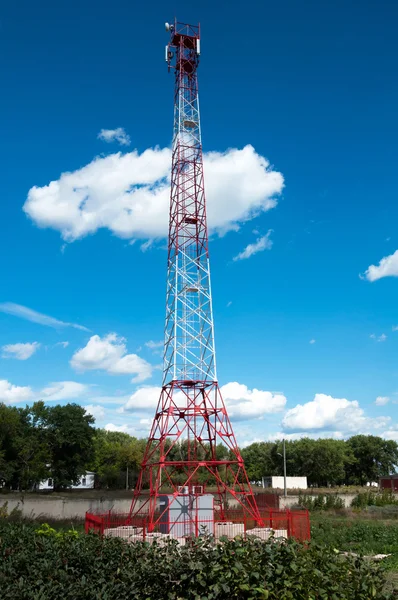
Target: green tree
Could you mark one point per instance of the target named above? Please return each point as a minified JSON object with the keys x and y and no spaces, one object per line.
{"x":117,"y":457}
{"x":10,"y":424}
{"x":68,"y":433}
{"x":322,"y":461}
{"x":259,"y":460}
{"x":24,"y":453}
{"x":34,"y":454}
{"x":373,"y":457}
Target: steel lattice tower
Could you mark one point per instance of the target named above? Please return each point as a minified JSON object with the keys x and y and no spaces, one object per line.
{"x":191,"y":418}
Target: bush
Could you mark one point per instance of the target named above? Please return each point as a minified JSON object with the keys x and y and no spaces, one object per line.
{"x":321,"y":502}
{"x":370,"y":498}
{"x":43,"y":564}
{"x":14,"y":515}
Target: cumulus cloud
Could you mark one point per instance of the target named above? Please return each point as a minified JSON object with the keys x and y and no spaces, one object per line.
{"x":95,"y":410}
{"x":114,"y":135}
{"x":121,"y":428}
{"x":243,"y":403}
{"x":387,"y":267}
{"x":35,"y":317}
{"x":391,"y":434}
{"x":382,"y":400}
{"x":312,"y":341}
{"x":263,"y":243}
{"x":59,"y":390}
{"x":330,"y":414}
{"x":134,"y":429}
{"x":13,"y":393}
{"x":129,"y":194}
{"x":63,"y":390}
{"x":110,"y":354}
{"x":144,"y":399}
{"x":20,"y":351}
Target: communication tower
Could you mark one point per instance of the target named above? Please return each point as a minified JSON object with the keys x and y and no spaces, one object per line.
{"x":191,"y":446}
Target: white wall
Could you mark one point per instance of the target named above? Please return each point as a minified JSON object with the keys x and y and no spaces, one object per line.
{"x":86,"y":483}
{"x":292,"y":483}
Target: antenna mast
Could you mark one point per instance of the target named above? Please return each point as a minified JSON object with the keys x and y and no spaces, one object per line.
{"x":191,"y":444}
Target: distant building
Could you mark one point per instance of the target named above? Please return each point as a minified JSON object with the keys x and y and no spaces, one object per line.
{"x":390,"y":482}
{"x":292,"y":483}
{"x":86,"y":482}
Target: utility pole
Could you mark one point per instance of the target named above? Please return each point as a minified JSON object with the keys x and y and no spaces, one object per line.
{"x":284,"y":469}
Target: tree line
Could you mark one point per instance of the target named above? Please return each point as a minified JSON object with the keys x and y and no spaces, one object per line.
{"x":61,"y":443}
{"x":325,"y":462}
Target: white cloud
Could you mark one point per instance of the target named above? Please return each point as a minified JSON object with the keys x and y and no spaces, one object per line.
{"x":115,"y":135}
{"x":13,"y":393}
{"x":20,"y":351}
{"x":391,"y":434}
{"x":395,"y":327}
{"x":129,"y":194}
{"x":121,"y":428}
{"x":59,"y":390}
{"x":387,"y":267}
{"x":145,"y":399}
{"x":382,"y":400}
{"x":153,"y":345}
{"x":304,"y":434}
{"x":96,"y":411}
{"x":247,"y":443}
{"x":263,"y":243}
{"x":31,"y":315}
{"x":331,"y":414}
{"x":110,"y":354}
{"x":312,"y":341}
{"x":243,"y":403}
{"x":380,"y":338}
{"x":63,"y":390}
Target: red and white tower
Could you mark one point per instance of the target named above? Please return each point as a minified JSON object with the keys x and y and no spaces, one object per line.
{"x":191,"y":444}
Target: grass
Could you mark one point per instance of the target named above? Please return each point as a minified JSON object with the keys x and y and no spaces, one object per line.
{"x":364,"y":532}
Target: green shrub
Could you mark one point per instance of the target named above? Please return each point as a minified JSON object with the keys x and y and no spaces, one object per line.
{"x":39,"y":564}
{"x":14,"y":515}
{"x":371,"y":498}
{"x":367,"y":537}
{"x":321,"y":502}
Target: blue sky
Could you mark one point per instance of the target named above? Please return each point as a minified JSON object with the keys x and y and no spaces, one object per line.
{"x":311,"y":89}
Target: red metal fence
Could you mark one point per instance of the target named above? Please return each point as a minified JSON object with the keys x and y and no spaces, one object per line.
{"x":276,"y":523}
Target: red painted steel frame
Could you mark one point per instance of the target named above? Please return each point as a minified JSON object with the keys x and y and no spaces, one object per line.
{"x":191,"y":420}
{"x":296,"y":523}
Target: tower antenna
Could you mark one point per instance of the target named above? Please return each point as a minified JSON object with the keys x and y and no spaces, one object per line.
{"x":191,"y":448}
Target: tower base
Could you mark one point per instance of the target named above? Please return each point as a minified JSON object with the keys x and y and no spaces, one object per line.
{"x":192,"y":451}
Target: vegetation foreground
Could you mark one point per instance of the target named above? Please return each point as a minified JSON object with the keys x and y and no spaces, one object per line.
{"x":38,"y":563}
